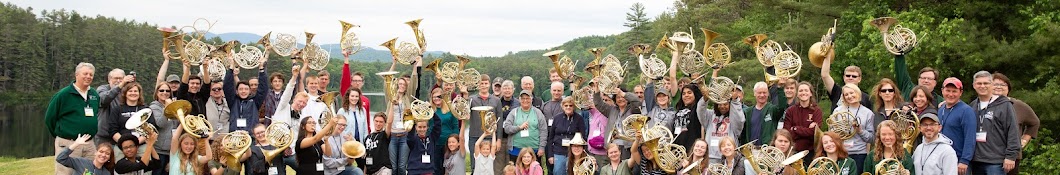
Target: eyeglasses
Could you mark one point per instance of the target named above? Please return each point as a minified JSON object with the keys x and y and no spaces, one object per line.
{"x":568,"y":105}
{"x":925,"y":78}
{"x":438,"y":96}
{"x":851,"y":76}
{"x":933,"y":124}
{"x":164,"y":90}
{"x":216,"y":89}
{"x":1000,"y":84}
{"x":357,"y":80}
{"x":887,"y":90}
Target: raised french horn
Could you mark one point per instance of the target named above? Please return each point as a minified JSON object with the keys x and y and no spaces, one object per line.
{"x":629,"y":126}
{"x":317,"y":57}
{"x":898,"y":40}
{"x":279,"y":134}
{"x":421,"y":110}
{"x":248,"y":56}
{"x":717,"y":54}
{"x":819,"y":50}
{"x":564,"y":66}
{"x":329,"y":100}
{"x":489,"y":120}
{"x":652,"y":67}
{"x":720,"y":89}
{"x":284,"y":44}
{"x":235,"y":144}
{"x":787,"y":64}
{"x":197,"y":126}
{"x":420,"y":39}
{"x":349,"y":40}
{"x":461,"y":108}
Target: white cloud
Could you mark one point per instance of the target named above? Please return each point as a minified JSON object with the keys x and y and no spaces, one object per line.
{"x":473,"y":27}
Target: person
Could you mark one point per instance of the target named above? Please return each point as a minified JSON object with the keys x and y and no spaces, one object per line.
{"x":639,"y":91}
{"x":566,"y":128}
{"x":122,"y":109}
{"x":194,"y":88}
{"x":858,"y":145}
{"x":788,"y":86}
{"x":185,"y":156}
{"x":647,"y":162}
{"x":762,"y":118}
{"x":335,"y":162}
{"x":133,"y":164}
{"x":658,"y":106}
{"x":527,"y":162}
{"x":377,"y":144}
{"x":888,"y":146}
{"x":597,"y":126}
{"x":116,"y":79}
{"x":624,"y":106}
{"x":830,"y":147}
{"x":507,"y":100}
{"x":253,"y":81}
{"x":575,"y":153}
{"x":356,"y":80}
{"x":408,"y":90}
{"x":484,"y":98}
{"x":310,"y":148}
{"x":527,"y":127}
{"x":256,"y":163}
{"x":697,"y":157}
{"x":527,"y":84}
{"x":164,"y":126}
{"x":922,"y":101}
{"x":721,"y":121}
{"x":421,"y":148}
{"x":497,"y":89}
{"x":355,"y":115}
{"x":268,"y":107}
{"x":886,"y":99}
{"x":935,"y":155}
{"x":851,"y":75}
{"x":553,"y":107}
{"x":801,"y":127}
{"x":72,"y":112}
{"x":734,"y":162}
{"x":217,"y":109}
{"x":447,"y":123}
{"x":244,"y":106}
{"x":616,"y":165}
{"x":216,"y":166}
{"x":102,"y":163}
{"x":486,"y":154}
{"x":782,"y":140}
{"x":959,"y":122}
{"x":1025,"y":117}
{"x":687,"y":126}
{"x":927,"y":77}
{"x":454,"y":155}
{"x":998,"y":138}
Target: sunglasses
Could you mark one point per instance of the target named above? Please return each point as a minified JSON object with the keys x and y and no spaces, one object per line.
{"x":887,"y":90}
{"x":216,"y":89}
{"x":851,"y":76}
{"x":165,"y":90}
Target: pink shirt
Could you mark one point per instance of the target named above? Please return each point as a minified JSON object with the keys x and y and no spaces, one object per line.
{"x":597,"y":128}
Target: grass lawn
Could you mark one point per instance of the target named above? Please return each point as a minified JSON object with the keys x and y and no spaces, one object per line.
{"x":40,"y":165}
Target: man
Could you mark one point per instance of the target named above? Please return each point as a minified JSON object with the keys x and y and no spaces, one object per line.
{"x":253,"y":85}
{"x":935,"y":155}
{"x":507,"y":102}
{"x":272,"y":97}
{"x":1025,"y":117}
{"x":314,"y":107}
{"x":959,"y":122}
{"x":377,"y":159}
{"x":497,"y":86}
{"x":553,"y":76}
{"x":484,"y":98}
{"x":194,"y":90}
{"x":173,"y":81}
{"x":763,"y":117}
{"x":217,"y":110}
{"x":851,"y":75}
{"x":527,"y":84}
{"x":554,"y":106}
{"x":927,"y":78}
{"x":108,"y":93}
{"x":243,"y":106}
{"x":639,"y":90}
{"x":72,"y":112}
{"x":356,"y":80}
{"x":325,"y":78}
{"x":997,"y":142}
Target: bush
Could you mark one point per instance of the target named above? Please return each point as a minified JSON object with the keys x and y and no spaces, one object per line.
{"x":1040,"y":154}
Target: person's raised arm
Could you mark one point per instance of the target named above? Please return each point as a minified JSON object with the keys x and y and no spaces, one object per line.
{"x":344,"y":81}
{"x":205,"y":72}
{"x":634,"y":156}
{"x":176,"y":138}
{"x":64,"y":156}
{"x":186,"y":68}
{"x":263,"y":87}
{"x":826,"y":77}
{"x":414,"y":85}
{"x":149,"y":152}
{"x":161,"y":78}
{"x":317,"y":137}
{"x":901,"y":75}
{"x":649,"y":97}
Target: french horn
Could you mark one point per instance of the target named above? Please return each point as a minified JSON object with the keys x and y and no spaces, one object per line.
{"x":172,"y":40}
{"x":692,"y":62}
{"x":582,"y":97}
{"x":764,"y":53}
{"x":823,"y":166}
{"x":235,"y":144}
{"x":843,"y":123}
{"x":652,"y":67}
{"x":908,"y":124}
{"x":719,"y":169}
{"x":668,"y":156}
{"x":329,"y":100}
{"x":898,"y":40}
{"x":421,"y":110}
{"x":489,"y":120}
{"x":677,"y":42}
{"x":890,"y":167}
{"x":717,"y":54}
{"x":195,"y":51}
{"x":795,"y":161}
{"x":317,"y":57}
{"x":468,"y":78}
{"x":197,"y":126}
{"x":279,"y":134}
{"x":765,"y":159}
{"x":139,"y":125}
{"x":407,"y":52}
{"x":420,"y":39}
{"x":353,"y":149}
{"x":217,"y":69}
{"x":629,"y":126}
{"x":585,"y":166}
{"x":284,"y":44}
{"x":349,"y":40}
{"x":693,"y":168}
{"x":461,"y":108}
{"x":819,"y":50}
{"x":610,"y":76}
{"x":248,"y":57}
{"x":564,"y":65}
{"x":787,"y":64}
{"x":720,"y":90}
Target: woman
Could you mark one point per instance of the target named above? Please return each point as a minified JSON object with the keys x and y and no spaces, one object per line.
{"x":622,"y":108}
{"x":922,"y":101}
{"x":448,"y":123}
{"x":803,"y":119}
{"x":527,"y":163}
{"x":647,"y":164}
{"x":101,"y":164}
{"x":1026,"y":119}
{"x":454,"y":155}
{"x":310,"y":149}
{"x":185,"y":157}
{"x":565,"y":127}
{"x":831,"y":147}
{"x":617,"y":166}
{"x":698,"y":154}
{"x":886,"y":99}
{"x":408,"y":88}
{"x":355,"y":115}
{"x":863,"y":129}
{"x":164,"y":126}
{"x":888,"y":146}
{"x":597,"y":128}
{"x":122,"y":109}
{"x":334,"y":161}
{"x":687,"y":127}
{"x":256,"y":164}
{"x":575,"y":153}
{"x":733,"y":161}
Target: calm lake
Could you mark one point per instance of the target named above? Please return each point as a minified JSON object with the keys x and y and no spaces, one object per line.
{"x":23,"y":134}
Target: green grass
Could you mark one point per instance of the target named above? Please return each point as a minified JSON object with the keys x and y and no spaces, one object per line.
{"x":40,"y":165}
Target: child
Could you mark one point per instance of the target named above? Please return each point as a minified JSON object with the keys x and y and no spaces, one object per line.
{"x":485,"y":154}
{"x":454,"y":155}
{"x":527,"y":163}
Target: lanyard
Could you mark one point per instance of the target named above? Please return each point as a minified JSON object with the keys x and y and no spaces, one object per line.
{"x":924,"y":160}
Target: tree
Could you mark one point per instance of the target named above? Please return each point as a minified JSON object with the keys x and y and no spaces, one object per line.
{"x":636,"y":17}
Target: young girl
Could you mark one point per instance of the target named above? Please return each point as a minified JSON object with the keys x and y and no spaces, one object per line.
{"x":576,"y":152}
{"x":803,"y":119}
{"x":356,"y":117}
{"x":733,"y":161}
{"x":831,"y":147}
{"x":454,"y":155}
{"x":102,"y":164}
{"x":421,"y":149}
{"x":310,"y":148}
{"x":485,"y":154}
{"x":864,"y":129}
{"x":185,"y":157}
{"x":617,"y":166}
{"x":888,"y":146}
{"x":527,"y":163}
{"x":699,"y":153}
{"x":509,"y":169}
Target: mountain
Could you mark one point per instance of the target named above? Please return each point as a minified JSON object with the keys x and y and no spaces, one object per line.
{"x":368,"y":54}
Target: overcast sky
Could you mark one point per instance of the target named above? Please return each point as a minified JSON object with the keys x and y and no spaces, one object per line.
{"x":471,"y":27}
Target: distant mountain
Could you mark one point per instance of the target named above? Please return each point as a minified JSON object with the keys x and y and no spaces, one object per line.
{"x":368,"y":54}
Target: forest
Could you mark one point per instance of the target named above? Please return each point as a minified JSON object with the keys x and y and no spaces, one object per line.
{"x":39,"y":48}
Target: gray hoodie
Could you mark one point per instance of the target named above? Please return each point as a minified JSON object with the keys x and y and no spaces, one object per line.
{"x":998,"y":120}
{"x":859,"y":144}
{"x":935,"y":157}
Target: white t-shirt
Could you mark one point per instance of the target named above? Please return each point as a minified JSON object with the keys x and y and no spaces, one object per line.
{"x":484,"y":164}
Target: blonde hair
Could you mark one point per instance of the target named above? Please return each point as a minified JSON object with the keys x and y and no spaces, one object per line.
{"x":878,"y":146}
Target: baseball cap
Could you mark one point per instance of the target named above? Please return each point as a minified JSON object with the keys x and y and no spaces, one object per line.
{"x":172,"y":78}
{"x":526,"y":92}
{"x":953,"y":81}
{"x":929,"y":116}
{"x":497,"y":81}
{"x":663,"y":91}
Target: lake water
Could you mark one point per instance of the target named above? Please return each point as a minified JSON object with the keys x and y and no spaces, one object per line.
{"x":23,"y":134}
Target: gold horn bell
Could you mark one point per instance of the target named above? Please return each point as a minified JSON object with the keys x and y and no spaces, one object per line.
{"x":279,"y":134}
{"x":235,"y":144}
{"x":197,"y":126}
{"x":353,"y":149}
{"x":819,"y":50}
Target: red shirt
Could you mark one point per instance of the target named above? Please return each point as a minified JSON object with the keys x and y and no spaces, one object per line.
{"x":797,"y":120}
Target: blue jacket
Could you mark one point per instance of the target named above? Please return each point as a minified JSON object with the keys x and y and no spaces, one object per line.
{"x":244,"y":108}
{"x":563,"y":128}
{"x":418,"y":148}
{"x":959,"y":124}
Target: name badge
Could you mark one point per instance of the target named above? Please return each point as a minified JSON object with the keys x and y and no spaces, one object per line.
{"x":273,"y":171}
{"x":677,"y":130}
{"x":980,"y":137}
{"x":342,"y":168}
{"x":88,"y":112}
{"x":241,"y":122}
{"x":848,"y":143}
{"x":425,"y":158}
{"x":594,"y":133}
{"x":714,"y":142}
{"x":566,"y":141}
{"x":524,"y":133}
{"x":549,"y":122}
{"x":368,"y":161}
{"x":320,"y":166}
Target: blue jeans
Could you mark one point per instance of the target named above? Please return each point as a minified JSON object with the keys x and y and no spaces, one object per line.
{"x":560,"y":166}
{"x":978,"y":168}
{"x":164,"y":159}
{"x":859,"y":161}
{"x":351,"y":171}
{"x":399,"y":154}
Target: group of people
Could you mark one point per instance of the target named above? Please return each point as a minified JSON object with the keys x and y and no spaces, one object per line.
{"x":536,"y":133}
